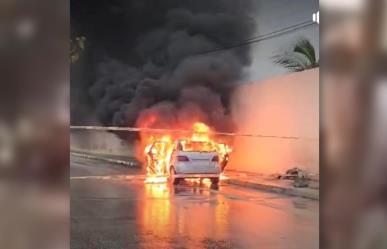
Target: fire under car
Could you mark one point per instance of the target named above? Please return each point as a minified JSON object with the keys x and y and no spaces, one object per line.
{"x":187,"y":159}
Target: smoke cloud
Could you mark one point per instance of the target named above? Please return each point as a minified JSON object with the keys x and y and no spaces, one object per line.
{"x":151,"y":58}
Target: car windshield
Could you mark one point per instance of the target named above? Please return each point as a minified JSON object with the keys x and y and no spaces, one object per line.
{"x":197,"y":146}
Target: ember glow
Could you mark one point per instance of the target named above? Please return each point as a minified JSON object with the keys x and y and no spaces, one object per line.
{"x":157,"y":148}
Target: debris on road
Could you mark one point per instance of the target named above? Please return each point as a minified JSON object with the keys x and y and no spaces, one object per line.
{"x":299,"y":176}
{"x":301,"y":181}
{"x":293,"y":173}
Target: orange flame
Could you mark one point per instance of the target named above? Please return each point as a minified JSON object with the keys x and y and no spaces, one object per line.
{"x":158,"y":149}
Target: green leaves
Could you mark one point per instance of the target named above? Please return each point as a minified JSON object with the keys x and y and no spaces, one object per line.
{"x":300,"y":58}
{"x":76,"y":46}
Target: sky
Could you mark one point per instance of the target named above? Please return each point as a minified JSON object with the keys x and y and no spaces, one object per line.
{"x":275,"y":15}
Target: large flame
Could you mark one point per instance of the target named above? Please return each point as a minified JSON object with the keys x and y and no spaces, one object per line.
{"x":157,"y":148}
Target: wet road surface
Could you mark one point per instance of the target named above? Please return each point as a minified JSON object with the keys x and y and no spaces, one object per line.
{"x":110,"y":211}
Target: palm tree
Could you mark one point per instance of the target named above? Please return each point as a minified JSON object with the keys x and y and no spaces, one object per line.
{"x":300,"y":58}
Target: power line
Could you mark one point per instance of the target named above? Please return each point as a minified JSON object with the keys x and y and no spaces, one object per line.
{"x":262,"y":37}
{"x":136,"y":129}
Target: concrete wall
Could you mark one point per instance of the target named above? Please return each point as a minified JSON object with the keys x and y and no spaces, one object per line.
{"x":100,"y":142}
{"x":282,"y":106}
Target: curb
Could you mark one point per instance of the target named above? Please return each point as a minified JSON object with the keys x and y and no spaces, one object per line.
{"x":291,"y":191}
{"x":116,"y":161}
{"x":112,"y":177}
{"x":304,"y":193}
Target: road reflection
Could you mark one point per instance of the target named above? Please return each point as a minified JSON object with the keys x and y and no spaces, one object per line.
{"x":156,"y":210}
{"x":189,"y":215}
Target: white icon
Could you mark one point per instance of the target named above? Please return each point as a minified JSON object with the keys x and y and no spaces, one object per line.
{"x":316,"y":17}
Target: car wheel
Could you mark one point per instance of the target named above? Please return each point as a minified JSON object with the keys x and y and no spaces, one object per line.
{"x":215,"y":180}
{"x":172,"y":178}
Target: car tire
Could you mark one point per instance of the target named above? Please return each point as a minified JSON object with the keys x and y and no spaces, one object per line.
{"x":172,"y":178}
{"x":215,"y":180}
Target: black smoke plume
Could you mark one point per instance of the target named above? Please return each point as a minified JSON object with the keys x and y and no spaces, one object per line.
{"x":152,"y":56}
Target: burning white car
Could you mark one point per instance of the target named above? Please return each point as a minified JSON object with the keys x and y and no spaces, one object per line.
{"x":194,"y":159}
{"x":199,"y":155}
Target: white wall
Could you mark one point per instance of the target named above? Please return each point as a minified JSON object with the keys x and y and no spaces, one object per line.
{"x":287,"y":105}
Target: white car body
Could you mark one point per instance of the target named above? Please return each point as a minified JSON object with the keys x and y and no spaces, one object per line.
{"x":196,"y":164}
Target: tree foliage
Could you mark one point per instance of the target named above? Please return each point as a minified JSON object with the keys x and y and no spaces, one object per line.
{"x":301,"y":57}
{"x":76,"y":46}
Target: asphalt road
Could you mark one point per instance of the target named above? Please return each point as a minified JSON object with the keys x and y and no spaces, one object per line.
{"x":109,"y":210}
